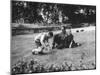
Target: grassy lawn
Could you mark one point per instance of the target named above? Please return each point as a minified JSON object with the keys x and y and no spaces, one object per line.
{"x":23,"y":44}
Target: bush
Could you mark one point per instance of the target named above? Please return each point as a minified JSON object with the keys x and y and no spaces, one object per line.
{"x":33,"y":66}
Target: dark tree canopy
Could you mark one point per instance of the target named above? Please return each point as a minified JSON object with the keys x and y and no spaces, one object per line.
{"x":37,"y":12}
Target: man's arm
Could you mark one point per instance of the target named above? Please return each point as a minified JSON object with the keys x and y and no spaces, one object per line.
{"x":53,"y":44}
{"x":55,"y":40}
{"x":71,"y":40}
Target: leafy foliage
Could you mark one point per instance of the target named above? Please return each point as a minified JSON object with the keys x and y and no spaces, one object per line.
{"x":34,"y":66}
{"x":47,"y":13}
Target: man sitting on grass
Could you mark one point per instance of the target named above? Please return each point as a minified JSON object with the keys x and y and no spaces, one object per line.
{"x":59,"y":39}
{"x":42,"y":42}
{"x":65,"y":39}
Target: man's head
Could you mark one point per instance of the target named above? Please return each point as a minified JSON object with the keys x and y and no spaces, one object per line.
{"x":63,"y":29}
{"x":50,"y":34}
{"x":69,"y":30}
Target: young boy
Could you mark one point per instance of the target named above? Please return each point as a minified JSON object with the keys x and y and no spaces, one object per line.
{"x":42,"y":41}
